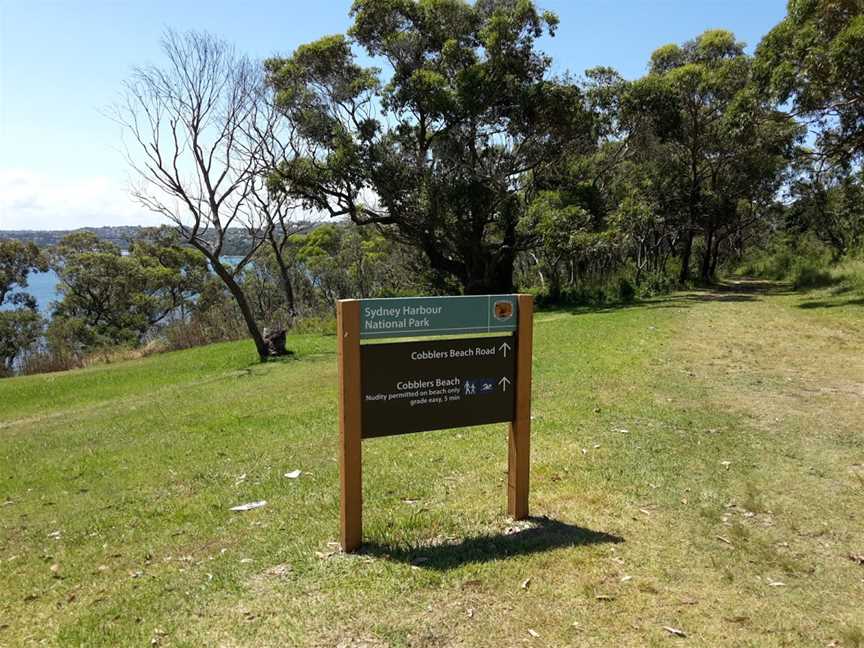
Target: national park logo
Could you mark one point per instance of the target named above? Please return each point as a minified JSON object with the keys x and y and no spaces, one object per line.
{"x":503,"y":310}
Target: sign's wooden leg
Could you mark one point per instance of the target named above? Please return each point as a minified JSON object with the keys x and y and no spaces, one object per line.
{"x":350,"y":473}
{"x":519,"y":446}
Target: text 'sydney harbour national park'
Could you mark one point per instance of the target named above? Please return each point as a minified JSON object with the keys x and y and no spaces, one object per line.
{"x":432,"y":323}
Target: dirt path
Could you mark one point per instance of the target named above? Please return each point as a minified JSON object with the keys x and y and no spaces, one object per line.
{"x":796,"y":374}
{"x":784,"y":365}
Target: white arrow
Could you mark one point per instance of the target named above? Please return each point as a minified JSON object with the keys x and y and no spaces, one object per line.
{"x":505,"y":348}
{"x":504,"y":382}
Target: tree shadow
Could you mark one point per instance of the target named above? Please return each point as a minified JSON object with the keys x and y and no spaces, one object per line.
{"x":752,"y":285}
{"x":828,"y":303}
{"x":744,"y":289}
{"x":652,"y":303}
{"x":719,"y":297}
{"x":542,"y":534}
{"x":741,"y":290}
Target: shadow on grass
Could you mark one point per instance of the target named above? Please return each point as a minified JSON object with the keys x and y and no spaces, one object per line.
{"x":543,"y":534}
{"x":828,"y":303}
{"x":745,"y":289}
{"x":718,"y":297}
{"x":289,"y":358}
{"x":751,"y":285}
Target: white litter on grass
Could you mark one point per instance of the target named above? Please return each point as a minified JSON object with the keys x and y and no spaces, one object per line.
{"x":294,"y":474}
{"x":249,"y":506}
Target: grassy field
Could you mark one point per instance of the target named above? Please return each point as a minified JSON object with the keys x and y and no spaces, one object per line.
{"x":698,"y":466}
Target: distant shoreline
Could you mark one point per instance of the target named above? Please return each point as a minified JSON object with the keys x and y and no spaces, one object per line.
{"x":236,"y":244}
{"x":120,"y":235}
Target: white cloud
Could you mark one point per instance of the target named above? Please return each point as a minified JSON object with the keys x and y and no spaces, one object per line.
{"x":35,"y":201}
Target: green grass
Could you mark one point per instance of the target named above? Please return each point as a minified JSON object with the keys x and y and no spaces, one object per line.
{"x":688,"y":456}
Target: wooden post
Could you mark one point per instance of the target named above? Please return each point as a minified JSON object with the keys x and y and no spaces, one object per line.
{"x":519,"y":446}
{"x":350,"y":475}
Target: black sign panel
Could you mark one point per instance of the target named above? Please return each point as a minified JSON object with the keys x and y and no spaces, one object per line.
{"x":416,"y":386}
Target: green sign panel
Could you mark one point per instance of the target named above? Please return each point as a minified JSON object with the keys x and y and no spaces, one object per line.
{"x":412,"y":316}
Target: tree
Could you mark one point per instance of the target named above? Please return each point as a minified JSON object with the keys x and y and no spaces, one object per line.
{"x":175,"y":273}
{"x":108,"y":298}
{"x":268,"y":140}
{"x":607,"y":209}
{"x":19,"y":331}
{"x":17,"y":261}
{"x":556,"y":223}
{"x":813,"y":59}
{"x":723,"y":144}
{"x":831,"y":205}
{"x":470,"y":120}
{"x":21,"y":325}
{"x":343,"y":259}
{"x":190,"y":122}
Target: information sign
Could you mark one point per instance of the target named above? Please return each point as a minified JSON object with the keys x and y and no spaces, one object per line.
{"x":435,"y":385}
{"x":400,"y":387}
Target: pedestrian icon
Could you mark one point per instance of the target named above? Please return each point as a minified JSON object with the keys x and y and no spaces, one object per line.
{"x":479,"y":386}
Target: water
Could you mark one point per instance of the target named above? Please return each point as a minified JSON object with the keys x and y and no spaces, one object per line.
{"x":43,"y":287}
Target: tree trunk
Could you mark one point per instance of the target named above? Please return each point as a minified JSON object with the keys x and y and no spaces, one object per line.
{"x":243,"y":304}
{"x":686,"y":252}
{"x":479,"y":268}
{"x":705,"y":270}
{"x":715,"y":257}
{"x":554,"y":285}
{"x":284,"y":276}
{"x":539,"y":271}
{"x":493,"y":282}
{"x":489,"y":273}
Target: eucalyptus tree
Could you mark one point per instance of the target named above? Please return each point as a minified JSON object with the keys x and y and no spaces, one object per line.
{"x":17,"y":260}
{"x":191,"y":125}
{"x":829,"y":203}
{"x":20,"y":322}
{"x":445,"y":153}
{"x":108,"y":298}
{"x":724,"y":144}
{"x":267,"y":141}
{"x":814,"y":60}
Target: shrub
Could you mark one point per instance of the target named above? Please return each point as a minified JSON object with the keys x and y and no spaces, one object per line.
{"x":807,"y":275}
{"x":624,"y":291}
{"x":784,"y":258}
{"x":616,"y":290}
{"x":657,"y":283}
{"x":185,"y":334}
{"x":46,"y":361}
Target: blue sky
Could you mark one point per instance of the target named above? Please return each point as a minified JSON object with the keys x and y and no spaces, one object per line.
{"x":62,"y":63}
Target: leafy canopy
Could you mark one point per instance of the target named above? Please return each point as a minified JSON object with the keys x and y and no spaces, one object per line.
{"x":17,"y":261}
{"x":111,"y":298}
{"x":446,"y":152}
{"x":815,"y":58}
{"x":21,"y":326}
